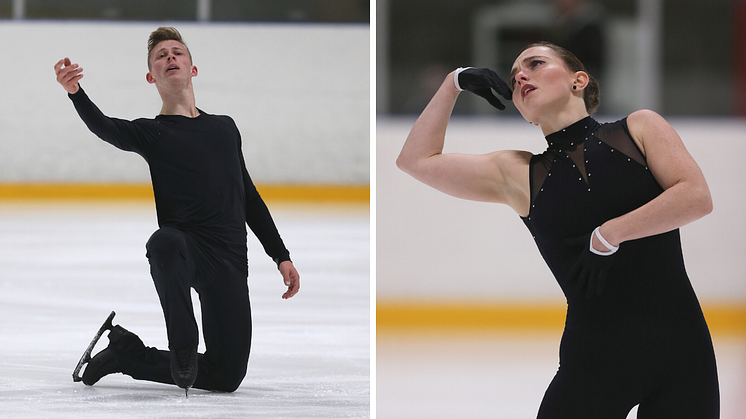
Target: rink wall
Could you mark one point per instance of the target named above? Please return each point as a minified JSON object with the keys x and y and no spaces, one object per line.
{"x":298,"y":93}
{"x":443,"y":262}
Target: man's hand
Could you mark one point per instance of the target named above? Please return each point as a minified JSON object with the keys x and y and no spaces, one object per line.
{"x":68,"y":75}
{"x":291,"y":278}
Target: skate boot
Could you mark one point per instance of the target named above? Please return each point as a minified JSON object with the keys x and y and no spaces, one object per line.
{"x":86,"y":358}
{"x":184,"y":367}
{"x":107,"y":361}
{"x":104,"y":363}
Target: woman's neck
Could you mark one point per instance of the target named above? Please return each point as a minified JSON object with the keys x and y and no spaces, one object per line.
{"x":562,"y":119}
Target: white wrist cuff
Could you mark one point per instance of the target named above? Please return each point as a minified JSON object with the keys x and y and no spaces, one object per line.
{"x":455,"y":77}
{"x":612,"y":249}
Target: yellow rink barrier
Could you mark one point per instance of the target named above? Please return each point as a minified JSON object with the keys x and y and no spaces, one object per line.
{"x":144,"y":191}
{"x":464,"y":316}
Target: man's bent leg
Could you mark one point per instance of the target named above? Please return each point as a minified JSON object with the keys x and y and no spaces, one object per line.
{"x":226,"y":325}
{"x":172,"y":269}
{"x":127,"y":354}
{"x":137,"y":360}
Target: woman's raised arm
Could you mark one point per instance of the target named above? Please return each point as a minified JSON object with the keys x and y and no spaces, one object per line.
{"x":501,"y":177}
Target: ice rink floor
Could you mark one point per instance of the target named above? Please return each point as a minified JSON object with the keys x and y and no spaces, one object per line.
{"x":500,"y":375}
{"x":65,"y":266}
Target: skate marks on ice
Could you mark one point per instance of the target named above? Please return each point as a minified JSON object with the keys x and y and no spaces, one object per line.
{"x":47,"y":399}
{"x":328,"y":390}
{"x":65,"y":267}
{"x":120,"y":399}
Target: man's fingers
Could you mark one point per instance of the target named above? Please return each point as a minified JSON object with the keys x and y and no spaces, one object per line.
{"x":64,"y":72}
{"x":292,"y":290}
{"x":69,"y":74}
{"x":70,"y":77}
{"x":293,"y":287}
{"x":62,"y":64}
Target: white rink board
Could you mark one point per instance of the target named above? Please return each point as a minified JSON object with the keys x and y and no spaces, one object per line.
{"x":300,"y":95}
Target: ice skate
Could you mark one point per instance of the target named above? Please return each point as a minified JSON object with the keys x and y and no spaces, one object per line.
{"x":86,"y":358}
{"x":104,"y":363}
{"x":184,"y":367}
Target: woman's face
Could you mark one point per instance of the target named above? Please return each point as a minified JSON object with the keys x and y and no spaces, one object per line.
{"x":541,"y":83}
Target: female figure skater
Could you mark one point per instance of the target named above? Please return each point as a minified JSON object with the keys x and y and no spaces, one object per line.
{"x":604,"y":203}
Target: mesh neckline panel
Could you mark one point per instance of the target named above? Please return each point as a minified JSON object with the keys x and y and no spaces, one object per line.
{"x":568,"y":145}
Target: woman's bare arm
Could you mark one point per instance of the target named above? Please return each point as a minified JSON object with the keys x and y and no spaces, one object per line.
{"x":500,"y":177}
{"x":686,"y":196}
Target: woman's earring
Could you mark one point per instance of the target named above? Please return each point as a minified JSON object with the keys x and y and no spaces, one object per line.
{"x":575,"y":88}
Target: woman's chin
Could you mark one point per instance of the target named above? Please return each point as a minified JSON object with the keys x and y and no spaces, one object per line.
{"x":527,"y":117}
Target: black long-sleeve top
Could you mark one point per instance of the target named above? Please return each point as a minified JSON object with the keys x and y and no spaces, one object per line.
{"x":199,"y":176}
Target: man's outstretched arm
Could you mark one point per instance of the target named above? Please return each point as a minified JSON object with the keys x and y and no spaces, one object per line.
{"x":120,"y":133}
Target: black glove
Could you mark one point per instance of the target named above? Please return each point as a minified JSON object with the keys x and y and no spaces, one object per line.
{"x":591,"y":269}
{"x":481,"y":81}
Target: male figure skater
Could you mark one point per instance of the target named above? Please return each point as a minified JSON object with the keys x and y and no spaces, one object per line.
{"x":204,"y":199}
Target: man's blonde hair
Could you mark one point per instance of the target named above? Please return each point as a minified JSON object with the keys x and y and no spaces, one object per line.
{"x":165,"y":34}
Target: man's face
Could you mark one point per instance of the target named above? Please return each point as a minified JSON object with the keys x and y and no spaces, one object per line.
{"x":170,"y":59}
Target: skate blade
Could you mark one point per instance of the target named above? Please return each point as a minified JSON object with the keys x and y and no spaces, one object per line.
{"x":87,"y":354}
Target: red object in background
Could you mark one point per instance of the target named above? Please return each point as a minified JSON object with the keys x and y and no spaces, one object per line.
{"x":740,"y":56}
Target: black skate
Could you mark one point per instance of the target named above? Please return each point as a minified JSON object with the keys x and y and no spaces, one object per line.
{"x":104,"y":363}
{"x":184,"y":368}
{"x":86,"y":358}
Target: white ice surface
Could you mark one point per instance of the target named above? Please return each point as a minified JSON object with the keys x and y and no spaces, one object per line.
{"x":500,"y":375}
{"x":64,"y":267}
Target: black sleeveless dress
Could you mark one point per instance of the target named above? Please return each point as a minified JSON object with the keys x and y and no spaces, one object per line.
{"x":644,"y":340}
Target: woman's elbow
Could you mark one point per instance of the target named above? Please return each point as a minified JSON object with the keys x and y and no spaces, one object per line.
{"x":707,"y":205}
{"x":400,"y":162}
{"x":403,"y":163}
{"x":704,"y":203}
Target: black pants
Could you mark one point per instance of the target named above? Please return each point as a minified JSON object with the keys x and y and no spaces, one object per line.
{"x":680,"y":383}
{"x":223,"y":291}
